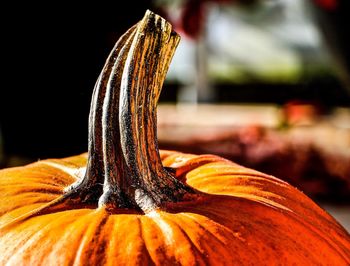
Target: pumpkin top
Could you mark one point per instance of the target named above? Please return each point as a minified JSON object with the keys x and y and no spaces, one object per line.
{"x":258,"y":216}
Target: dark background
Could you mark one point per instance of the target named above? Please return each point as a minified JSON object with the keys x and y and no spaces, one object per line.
{"x":53,"y":54}
{"x":51,"y":59}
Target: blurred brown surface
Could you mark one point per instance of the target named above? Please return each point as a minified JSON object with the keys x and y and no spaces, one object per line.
{"x":307,"y":148}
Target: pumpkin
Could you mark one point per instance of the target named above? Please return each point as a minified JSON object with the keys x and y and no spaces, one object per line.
{"x":127,"y":203}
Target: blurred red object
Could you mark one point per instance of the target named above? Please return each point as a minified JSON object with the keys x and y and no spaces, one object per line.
{"x":193,"y":14}
{"x":327,"y":4}
{"x":301,"y":113}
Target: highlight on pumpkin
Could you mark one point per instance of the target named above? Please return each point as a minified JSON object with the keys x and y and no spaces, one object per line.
{"x":126,"y":202}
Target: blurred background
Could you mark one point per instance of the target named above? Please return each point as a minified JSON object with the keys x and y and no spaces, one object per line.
{"x":264,"y":83}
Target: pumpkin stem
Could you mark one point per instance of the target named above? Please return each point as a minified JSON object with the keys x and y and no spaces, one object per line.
{"x":124,"y":168}
{"x":145,"y":69}
{"x":90,"y":188}
{"x":113,"y":160}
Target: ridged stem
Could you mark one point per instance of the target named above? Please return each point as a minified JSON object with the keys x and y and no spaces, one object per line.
{"x":124,"y":168}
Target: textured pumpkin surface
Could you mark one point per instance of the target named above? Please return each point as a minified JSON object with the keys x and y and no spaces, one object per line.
{"x":245,"y":218}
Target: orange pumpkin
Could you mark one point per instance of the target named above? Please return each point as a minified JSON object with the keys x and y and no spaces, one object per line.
{"x":126,"y":203}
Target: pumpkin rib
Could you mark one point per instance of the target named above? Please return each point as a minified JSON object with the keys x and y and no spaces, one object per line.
{"x":170,"y":238}
{"x":239,"y":260}
{"x":163,"y":226}
{"x":289,"y":194}
{"x":29,"y":240}
{"x":183,"y":241}
{"x":35,"y":182}
{"x":85,"y":251}
{"x":44,"y":189}
{"x":153,"y":239}
{"x":19,"y":187}
{"x":233,"y":182}
{"x":331,"y":241}
{"x":10,"y":214}
{"x":74,"y":160}
{"x":190,"y":216}
{"x":234,"y":174}
{"x":73,"y":232}
{"x":58,"y":203}
{"x":185,"y":231}
{"x":225,"y":256}
{"x":73,"y":172}
{"x":239,"y":242}
{"x":113,"y":253}
{"x":218,"y":250}
{"x":75,"y":229}
{"x":228,"y":168}
{"x":335,"y":244}
{"x":196,"y":162}
{"x":131,"y":245}
{"x":262,"y":198}
{"x":33,"y":173}
{"x":226,"y":220}
{"x":110,"y":250}
{"x":188,"y":164}
{"x":253,"y":197}
{"x":146,"y":255}
{"x":29,"y":198}
{"x":221,"y":215}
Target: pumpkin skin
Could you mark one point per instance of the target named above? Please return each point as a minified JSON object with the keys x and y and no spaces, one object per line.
{"x":246,"y":218}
